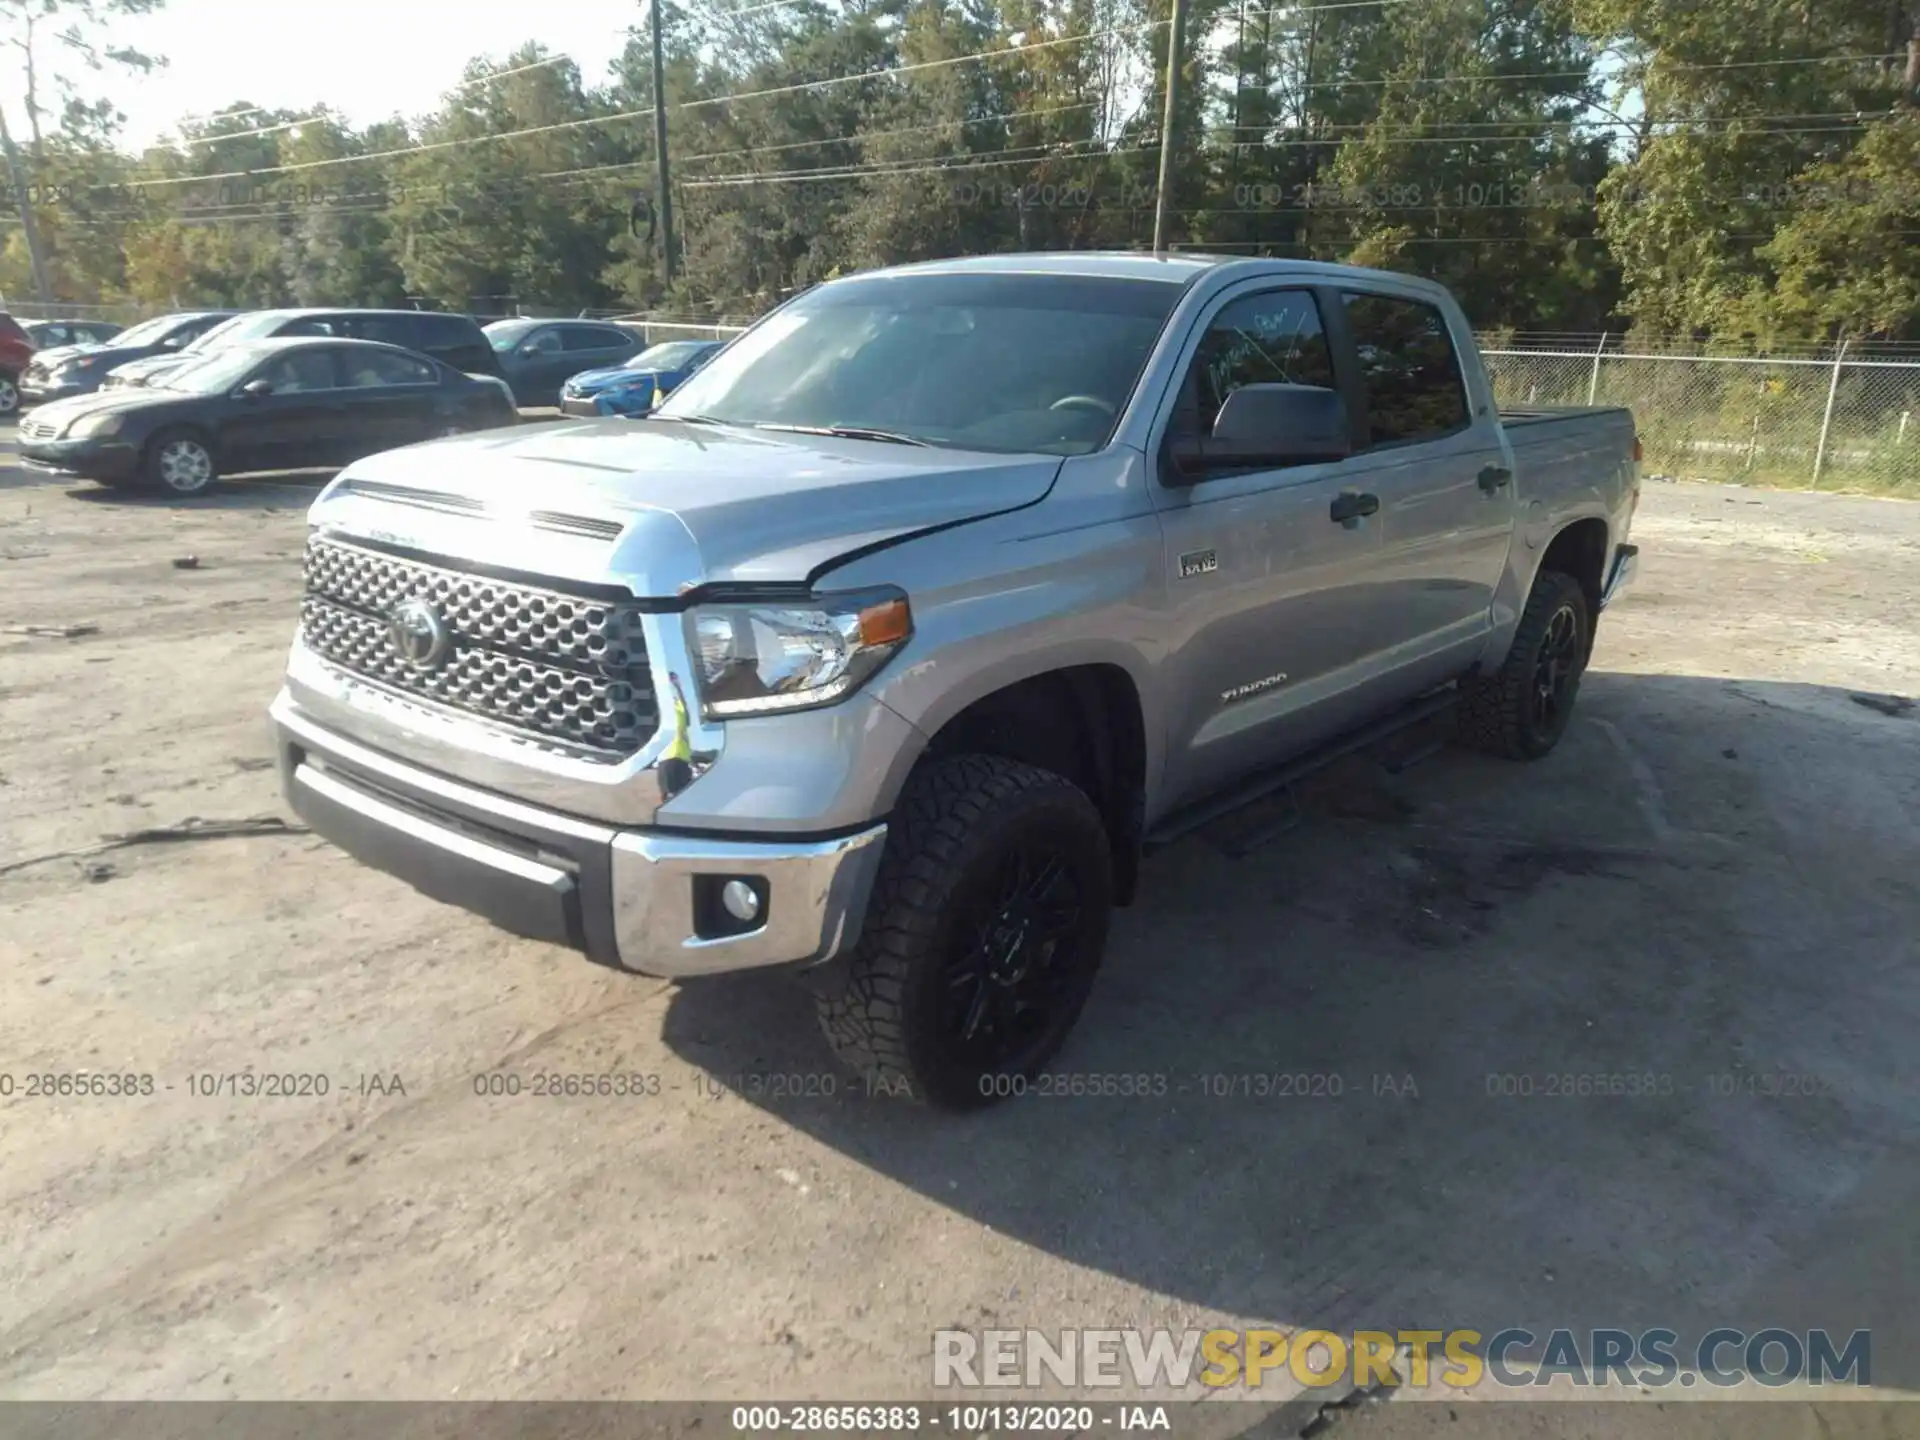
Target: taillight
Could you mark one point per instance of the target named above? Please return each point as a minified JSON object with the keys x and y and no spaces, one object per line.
{"x":1636,"y":449}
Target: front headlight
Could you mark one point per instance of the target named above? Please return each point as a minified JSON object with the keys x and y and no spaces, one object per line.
{"x":92,"y":427}
{"x":757,"y":659}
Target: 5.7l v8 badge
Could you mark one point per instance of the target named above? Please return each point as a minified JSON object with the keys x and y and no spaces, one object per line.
{"x":1198,"y":562}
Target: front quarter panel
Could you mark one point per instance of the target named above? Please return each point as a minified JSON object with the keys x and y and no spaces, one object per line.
{"x":1076,"y":579}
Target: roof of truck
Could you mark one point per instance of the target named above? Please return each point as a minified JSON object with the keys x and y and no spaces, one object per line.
{"x":1178,"y":267}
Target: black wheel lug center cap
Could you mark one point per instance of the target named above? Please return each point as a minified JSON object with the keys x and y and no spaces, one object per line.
{"x":1008,"y":939}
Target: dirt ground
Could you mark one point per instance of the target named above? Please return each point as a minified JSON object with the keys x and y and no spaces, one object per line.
{"x":1713,"y":880}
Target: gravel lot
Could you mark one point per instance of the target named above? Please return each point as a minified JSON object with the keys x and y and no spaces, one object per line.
{"x":1715,"y":876}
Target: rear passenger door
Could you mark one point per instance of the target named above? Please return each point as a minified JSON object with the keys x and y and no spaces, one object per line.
{"x":1440,"y":466}
{"x":391,"y":399}
{"x":1271,"y":594}
{"x":540,"y":364}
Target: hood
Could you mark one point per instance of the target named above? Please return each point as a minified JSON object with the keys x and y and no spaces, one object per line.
{"x":113,"y":355}
{"x":154,"y":364}
{"x":56,"y":356}
{"x":663,"y":506}
{"x":64,"y":412}
{"x":588,"y":382}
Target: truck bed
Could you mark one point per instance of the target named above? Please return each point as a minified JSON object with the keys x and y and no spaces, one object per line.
{"x":1525,"y":415}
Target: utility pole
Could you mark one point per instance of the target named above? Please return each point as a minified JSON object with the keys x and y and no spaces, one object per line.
{"x":35,"y":260}
{"x":1166,"y":130}
{"x":660,"y":147}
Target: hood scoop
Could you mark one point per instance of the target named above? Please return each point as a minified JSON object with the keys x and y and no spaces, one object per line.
{"x":446,"y":502}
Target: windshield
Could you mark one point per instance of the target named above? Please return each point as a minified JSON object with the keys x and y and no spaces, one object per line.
{"x":211,"y":374}
{"x":670,"y":356}
{"x":148,"y":332}
{"x":503,"y":335}
{"x":1008,"y":363}
{"x":223,"y":334}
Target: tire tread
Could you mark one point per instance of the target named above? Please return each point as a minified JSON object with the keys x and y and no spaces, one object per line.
{"x":944,"y":803}
{"x":1492,"y":711}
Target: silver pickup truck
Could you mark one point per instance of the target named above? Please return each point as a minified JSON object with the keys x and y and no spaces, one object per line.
{"x":883,"y":649}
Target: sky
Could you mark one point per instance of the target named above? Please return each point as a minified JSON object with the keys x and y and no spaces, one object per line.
{"x":367,"y":58}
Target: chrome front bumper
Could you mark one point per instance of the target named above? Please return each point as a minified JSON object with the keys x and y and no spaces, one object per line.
{"x":636,"y":898}
{"x":1626,"y":564}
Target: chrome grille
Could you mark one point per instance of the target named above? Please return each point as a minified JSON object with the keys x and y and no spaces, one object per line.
{"x":38,"y":429}
{"x":552,"y":664}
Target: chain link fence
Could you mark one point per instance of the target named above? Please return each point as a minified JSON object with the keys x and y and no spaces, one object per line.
{"x":1846,"y":420}
{"x":1838,"y":422}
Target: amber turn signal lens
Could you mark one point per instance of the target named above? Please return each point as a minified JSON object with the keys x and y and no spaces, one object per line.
{"x":886,"y":623}
{"x":1636,"y":449}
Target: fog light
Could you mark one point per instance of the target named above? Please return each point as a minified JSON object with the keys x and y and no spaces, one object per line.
{"x":740,"y":901}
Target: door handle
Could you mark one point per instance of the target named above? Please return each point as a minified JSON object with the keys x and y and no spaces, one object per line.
{"x":1352,"y":505}
{"x":1493,"y":477}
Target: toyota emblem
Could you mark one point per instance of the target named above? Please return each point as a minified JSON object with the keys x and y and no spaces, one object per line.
{"x":418,"y":633}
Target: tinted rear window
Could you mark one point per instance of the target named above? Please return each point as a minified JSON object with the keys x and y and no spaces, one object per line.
{"x":10,"y":328}
{"x":1414,"y":387}
{"x":442,"y":330}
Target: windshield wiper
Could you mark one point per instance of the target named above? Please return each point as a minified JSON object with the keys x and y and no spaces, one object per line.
{"x":851,"y":432}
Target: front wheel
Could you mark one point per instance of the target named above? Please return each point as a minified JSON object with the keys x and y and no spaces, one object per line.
{"x":986,"y":927}
{"x":1522,"y":709}
{"x":9,"y":395}
{"x":178,"y":462}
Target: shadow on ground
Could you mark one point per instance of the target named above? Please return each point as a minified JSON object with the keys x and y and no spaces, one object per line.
{"x":1707,"y":893}
{"x":270,"y":490}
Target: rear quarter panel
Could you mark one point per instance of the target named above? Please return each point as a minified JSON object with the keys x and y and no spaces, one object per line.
{"x":1575,"y":466}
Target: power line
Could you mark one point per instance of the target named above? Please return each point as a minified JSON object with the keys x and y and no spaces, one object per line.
{"x":859,"y":137}
{"x":735,"y":14}
{"x":1357,"y":125}
{"x":923,"y":65}
{"x":904,"y":168}
{"x":1483,"y":139}
{"x":810,"y":85}
{"x":918,"y":67}
{"x":1489,"y":78}
{"x":321,"y":114}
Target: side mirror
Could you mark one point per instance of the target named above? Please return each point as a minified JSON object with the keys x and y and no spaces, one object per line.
{"x":1268,"y":426}
{"x":254,"y":389}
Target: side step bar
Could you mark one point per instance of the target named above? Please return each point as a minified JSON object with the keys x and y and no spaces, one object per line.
{"x":1202,"y":813}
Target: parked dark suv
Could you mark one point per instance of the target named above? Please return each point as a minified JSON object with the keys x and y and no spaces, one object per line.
{"x":536,"y":356}
{"x":69,"y":370}
{"x":454,"y":340}
{"x":51,"y":334}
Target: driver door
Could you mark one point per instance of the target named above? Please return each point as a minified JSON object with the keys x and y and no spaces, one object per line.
{"x":301,"y":422}
{"x":1270,"y":592}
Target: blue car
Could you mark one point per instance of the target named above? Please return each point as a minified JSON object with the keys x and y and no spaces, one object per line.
{"x":632,"y":388}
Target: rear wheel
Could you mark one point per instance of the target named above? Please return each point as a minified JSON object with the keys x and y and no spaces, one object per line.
{"x":985,"y":929}
{"x":178,"y":462}
{"x":1522,"y":709}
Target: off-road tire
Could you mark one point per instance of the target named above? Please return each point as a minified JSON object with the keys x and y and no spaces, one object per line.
{"x":1497,"y":713}
{"x":957,"y":817}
